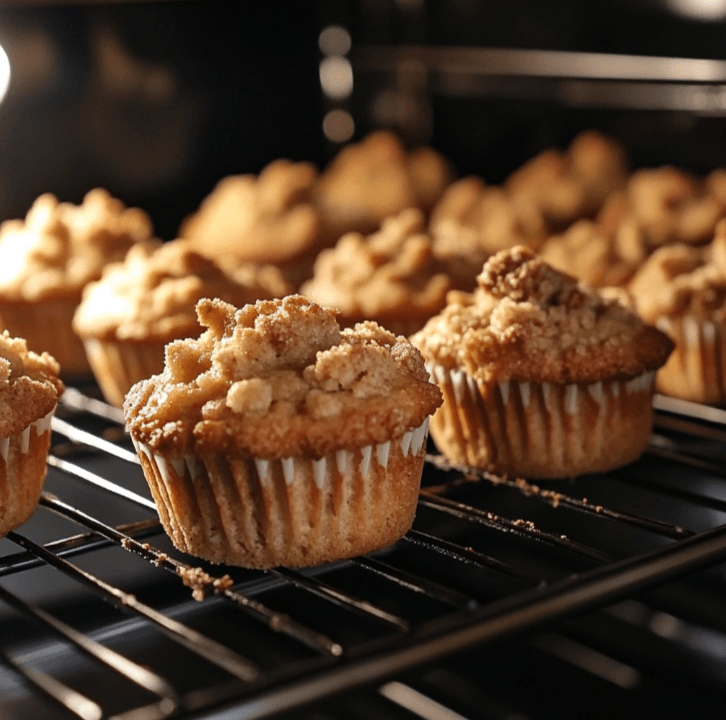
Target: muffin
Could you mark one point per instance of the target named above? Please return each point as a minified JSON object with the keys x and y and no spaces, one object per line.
{"x":275,"y":438}
{"x":541,"y":377}
{"x":126,"y":318}
{"x":682,"y":290}
{"x":473,"y":220}
{"x":389,"y":277}
{"x":263,"y":219}
{"x":570,"y":185}
{"x":29,"y":392}
{"x":588,"y":253}
{"x":376,"y":178}
{"x":49,"y":257}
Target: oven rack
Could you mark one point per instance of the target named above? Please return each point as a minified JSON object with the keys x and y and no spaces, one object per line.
{"x":98,"y":616}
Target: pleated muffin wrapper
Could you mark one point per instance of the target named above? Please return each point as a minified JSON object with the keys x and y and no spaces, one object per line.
{"x":46,"y":325}
{"x":696,"y":369}
{"x":542,"y":430}
{"x":117,"y":365}
{"x":23,"y":468}
{"x":294,"y":511}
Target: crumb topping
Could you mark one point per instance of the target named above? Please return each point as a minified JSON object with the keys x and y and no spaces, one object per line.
{"x":59,"y":247}
{"x":527,"y":321}
{"x":390,"y":273}
{"x":29,"y":385}
{"x":260,"y":219}
{"x":278,"y":378}
{"x":378,"y":177}
{"x":679,"y":280}
{"x":153,"y":293}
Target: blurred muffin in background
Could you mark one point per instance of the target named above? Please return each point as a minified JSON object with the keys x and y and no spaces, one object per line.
{"x":586,"y":252}
{"x":565,"y":186}
{"x":390,"y":277}
{"x":666,"y":205}
{"x":376,"y":178}
{"x":682,"y":290}
{"x":49,"y":257}
{"x":473,"y":220}
{"x":267,"y":219}
{"x":139,"y":305}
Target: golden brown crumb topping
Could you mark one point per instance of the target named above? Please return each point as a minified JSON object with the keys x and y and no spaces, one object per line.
{"x":279,"y":379}
{"x":587,"y":252}
{"x":527,"y":321}
{"x":59,"y":247}
{"x":153,"y":293}
{"x":567,"y":186}
{"x":262,"y":219}
{"x":390,"y":273}
{"x":375,"y":178}
{"x":679,"y":280}
{"x":29,"y":385}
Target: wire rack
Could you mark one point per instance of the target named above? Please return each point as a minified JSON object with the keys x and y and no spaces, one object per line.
{"x":101,"y":618}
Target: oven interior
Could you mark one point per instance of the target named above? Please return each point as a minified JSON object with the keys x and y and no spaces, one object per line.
{"x":508,"y":599}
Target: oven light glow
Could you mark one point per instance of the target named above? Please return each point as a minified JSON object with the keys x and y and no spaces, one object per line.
{"x":4,"y":73}
{"x":699,"y":9}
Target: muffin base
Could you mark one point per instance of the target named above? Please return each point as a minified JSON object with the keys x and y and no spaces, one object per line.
{"x":296,"y":512}
{"x":119,"y":365}
{"x":696,"y":370}
{"x":46,"y":325}
{"x":542,"y":430}
{"x":23,"y":469}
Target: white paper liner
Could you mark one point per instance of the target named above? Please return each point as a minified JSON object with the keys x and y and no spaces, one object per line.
{"x":118,"y":365}
{"x":542,"y":429}
{"x":288,"y":511}
{"x":22,"y":472}
{"x":696,"y":370}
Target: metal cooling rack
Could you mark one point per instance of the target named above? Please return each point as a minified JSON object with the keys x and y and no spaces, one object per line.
{"x":101,"y":618}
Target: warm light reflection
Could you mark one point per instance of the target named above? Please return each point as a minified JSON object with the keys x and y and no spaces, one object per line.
{"x":699,"y":9}
{"x":336,"y":77}
{"x":334,"y":40}
{"x":338,"y":126}
{"x":4,"y":73}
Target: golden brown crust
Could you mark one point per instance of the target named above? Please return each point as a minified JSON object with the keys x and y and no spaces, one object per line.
{"x":60,"y":247}
{"x":390,"y":275}
{"x":29,"y":385}
{"x":259,"y":219}
{"x":152,"y":294}
{"x":375,"y":178}
{"x":529,"y":322}
{"x":567,"y":186}
{"x":680,"y":280}
{"x":279,"y":379}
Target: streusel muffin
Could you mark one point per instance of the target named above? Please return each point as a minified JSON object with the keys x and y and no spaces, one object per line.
{"x":29,"y":392}
{"x":473,"y":220}
{"x":682,"y":290}
{"x":390,"y":277}
{"x":275,"y":438}
{"x":565,"y":186}
{"x":376,"y":178}
{"x":266,"y":219}
{"x":49,"y":257}
{"x":139,"y":305}
{"x":541,"y":377}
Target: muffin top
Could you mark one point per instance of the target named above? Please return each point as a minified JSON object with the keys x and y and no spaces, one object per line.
{"x":153,"y":293}
{"x":569,"y":185}
{"x":378,"y":177}
{"x":390,"y":274}
{"x":278,"y":379}
{"x":266,"y":218}
{"x":29,"y":385}
{"x":527,"y":322}
{"x":59,"y":247}
{"x":681,"y":280}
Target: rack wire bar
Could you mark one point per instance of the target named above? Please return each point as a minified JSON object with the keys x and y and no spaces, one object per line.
{"x":499,"y":620}
{"x":202,"y":645}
